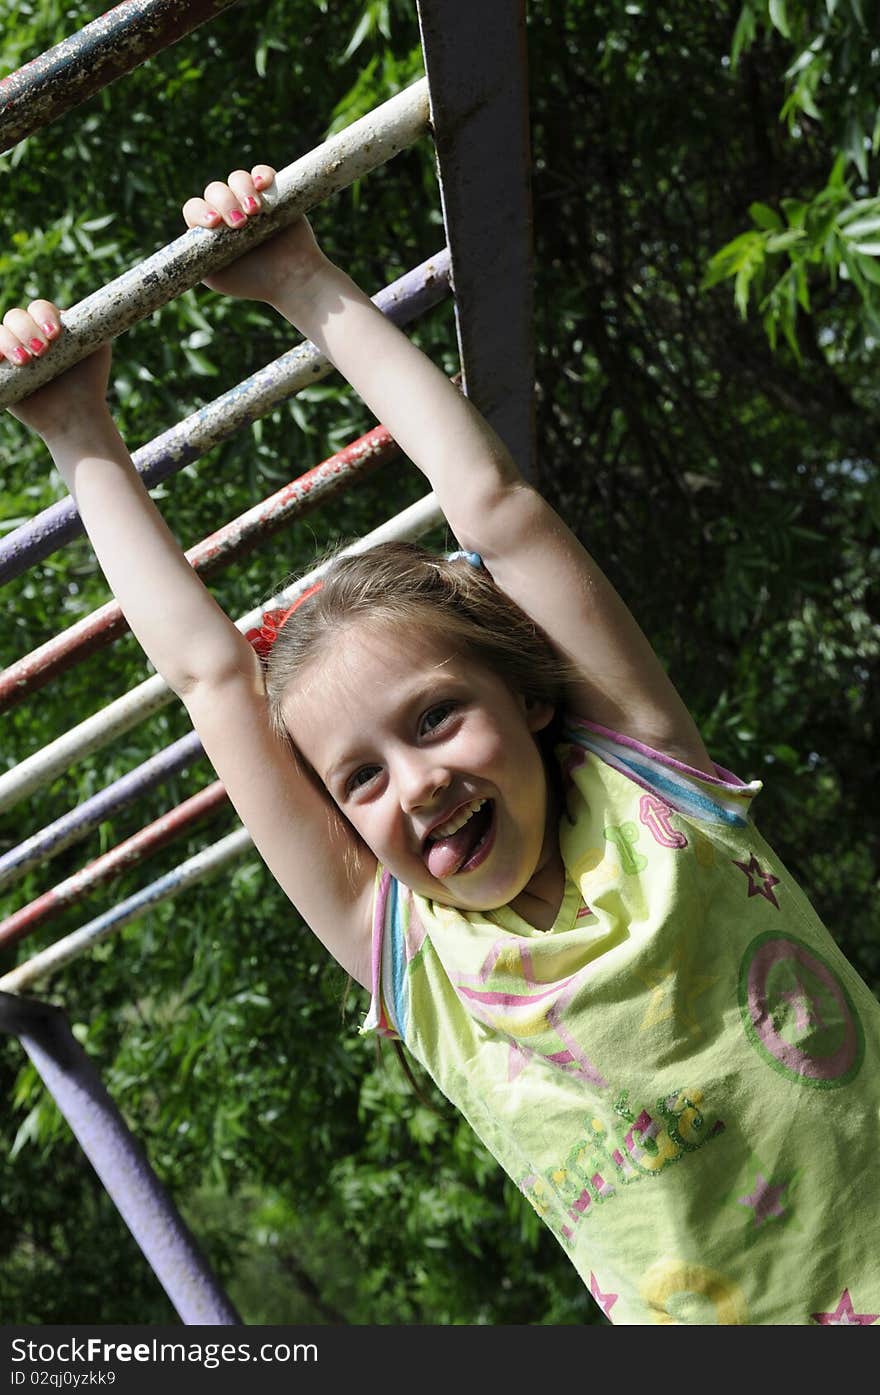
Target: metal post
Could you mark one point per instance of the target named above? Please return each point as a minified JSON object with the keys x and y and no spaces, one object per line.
{"x":118,"y":1159}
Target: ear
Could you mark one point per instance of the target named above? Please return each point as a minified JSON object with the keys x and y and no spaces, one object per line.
{"x":539,"y":713}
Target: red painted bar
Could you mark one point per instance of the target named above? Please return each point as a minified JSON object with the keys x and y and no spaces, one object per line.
{"x":219,"y":550}
{"x":127,"y":854}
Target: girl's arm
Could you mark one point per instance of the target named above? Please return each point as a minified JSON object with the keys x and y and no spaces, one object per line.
{"x":530,"y":552}
{"x":197,"y":649}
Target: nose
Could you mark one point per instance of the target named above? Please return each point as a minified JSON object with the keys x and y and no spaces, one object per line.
{"x":421,"y":780}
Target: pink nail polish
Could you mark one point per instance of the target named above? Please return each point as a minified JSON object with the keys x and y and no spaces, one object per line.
{"x":251,"y":204}
{"x":49,"y":330}
{"x":37,"y":345}
{"x":236,"y":217}
{"x":20,"y":355}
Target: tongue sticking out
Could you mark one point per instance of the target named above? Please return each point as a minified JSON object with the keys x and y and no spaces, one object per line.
{"x":447,"y":855}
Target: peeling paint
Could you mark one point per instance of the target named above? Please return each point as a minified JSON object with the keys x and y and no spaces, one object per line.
{"x":194,"y":870}
{"x":152,"y":695}
{"x":186,"y":261}
{"x":113,"y":863}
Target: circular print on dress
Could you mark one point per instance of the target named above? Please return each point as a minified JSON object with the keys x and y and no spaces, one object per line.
{"x":797,"y":1013}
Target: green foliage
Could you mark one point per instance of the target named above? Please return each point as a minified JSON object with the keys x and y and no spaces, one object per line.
{"x":812,"y":237}
{"x":729,"y":490}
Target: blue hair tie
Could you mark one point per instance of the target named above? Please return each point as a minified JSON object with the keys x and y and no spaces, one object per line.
{"x":473,"y":558}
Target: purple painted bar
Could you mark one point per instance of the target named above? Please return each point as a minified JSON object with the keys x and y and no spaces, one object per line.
{"x":80,"y":822}
{"x":403,"y":300}
{"x":78,"y":67}
{"x":475,"y":59}
{"x":119,"y":1160}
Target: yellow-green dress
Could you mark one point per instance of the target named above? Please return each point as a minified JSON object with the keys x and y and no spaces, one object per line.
{"x":682,"y":1075}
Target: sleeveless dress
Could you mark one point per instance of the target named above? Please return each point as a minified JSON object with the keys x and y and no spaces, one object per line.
{"x":682,"y":1075}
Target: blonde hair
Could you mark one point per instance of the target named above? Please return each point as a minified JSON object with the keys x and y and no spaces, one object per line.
{"x":402,"y":584}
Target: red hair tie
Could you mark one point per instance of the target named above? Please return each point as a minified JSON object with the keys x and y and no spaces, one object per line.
{"x":274,"y":621}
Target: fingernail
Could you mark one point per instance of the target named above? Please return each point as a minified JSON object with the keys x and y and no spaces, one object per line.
{"x":49,"y":329}
{"x":37,"y":345}
{"x":251,"y":204}
{"x":211,"y":216}
{"x":259,"y":180}
{"x":236,"y":217}
{"x":20,"y":355}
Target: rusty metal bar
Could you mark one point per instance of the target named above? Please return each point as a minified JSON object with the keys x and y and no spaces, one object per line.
{"x":402,"y":301}
{"x":119,"y":1160}
{"x":213,"y":553}
{"x":78,"y":67}
{"x":130,"y":853}
{"x":475,"y":59}
{"x":154,"y":694}
{"x":203,"y":864}
{"x":364,"y":145}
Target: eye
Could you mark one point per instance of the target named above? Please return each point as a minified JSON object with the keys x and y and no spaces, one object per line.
{"x":361,"y":777}
{"x":435,"y":717}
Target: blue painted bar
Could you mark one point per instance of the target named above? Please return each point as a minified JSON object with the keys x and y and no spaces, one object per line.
{"x":402,"y":301}
{"x":186,"y":874}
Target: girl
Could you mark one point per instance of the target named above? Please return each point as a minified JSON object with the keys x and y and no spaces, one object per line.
{"x":479,"y":787}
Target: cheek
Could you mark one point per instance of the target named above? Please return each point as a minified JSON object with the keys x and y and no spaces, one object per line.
{"x":375,"y":825}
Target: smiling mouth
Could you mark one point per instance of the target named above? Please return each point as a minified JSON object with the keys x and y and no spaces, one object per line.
{"x":460,"y":843}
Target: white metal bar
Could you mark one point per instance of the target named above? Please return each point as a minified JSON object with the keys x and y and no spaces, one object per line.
{"x":108,"y":312}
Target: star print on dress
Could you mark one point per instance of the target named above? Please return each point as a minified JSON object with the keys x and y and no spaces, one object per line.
{"x":760,"y":883}
{"x":606,"y":1301}
{"x":674,"y":990}
{"x":512,"y":998}
{"x":843,"y":1315}
{"x":765,"y":1199}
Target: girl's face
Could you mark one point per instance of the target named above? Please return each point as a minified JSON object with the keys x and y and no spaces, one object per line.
{"x":432,"y":759}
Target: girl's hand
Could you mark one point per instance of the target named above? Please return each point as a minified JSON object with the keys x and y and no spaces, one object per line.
{"x":66,"y":402}
{"x":287,"y":260}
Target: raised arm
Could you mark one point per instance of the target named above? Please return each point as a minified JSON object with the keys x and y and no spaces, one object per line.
{"x":530,"y":552}
{"x":201,"y":654}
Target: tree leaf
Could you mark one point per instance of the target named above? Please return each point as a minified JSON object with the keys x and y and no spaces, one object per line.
{"x":779,"y":17}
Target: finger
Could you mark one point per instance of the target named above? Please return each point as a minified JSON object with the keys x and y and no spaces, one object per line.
{"x":12,"y":349}
{"x":199,"y":214}
{"x":263,"y":176}
{"x":242,"y":185}
{"x":221,"y":197}
{"x":26,"y":331}
{"x":47,"y":315}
